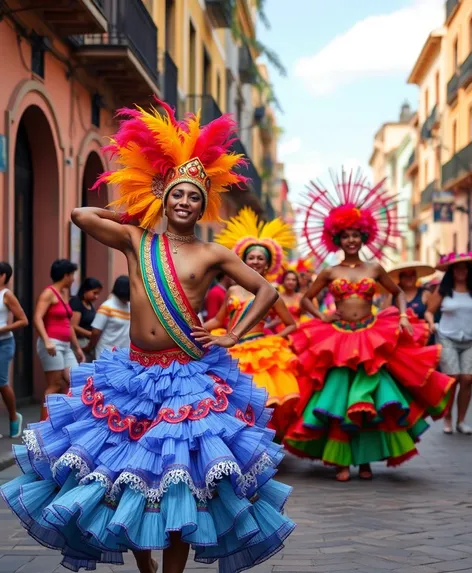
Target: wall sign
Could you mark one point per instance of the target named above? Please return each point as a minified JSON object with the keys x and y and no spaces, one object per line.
{"x":3,"y":154}
{"x":443,"y":206}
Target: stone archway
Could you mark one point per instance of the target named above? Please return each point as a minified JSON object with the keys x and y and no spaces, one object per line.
{"x":36,"y":228}
{"x":94,"y":256}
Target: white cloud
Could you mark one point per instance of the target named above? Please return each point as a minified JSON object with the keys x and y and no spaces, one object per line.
{"x":309,"y":164}
{"x":375,"y":46}
{"x":289,"y":147}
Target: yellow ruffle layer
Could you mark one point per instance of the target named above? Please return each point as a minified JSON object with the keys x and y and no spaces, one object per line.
{"x":272,"y":365}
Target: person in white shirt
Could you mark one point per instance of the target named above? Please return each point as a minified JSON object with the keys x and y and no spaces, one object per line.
{"x":9,"y":306}
{"x":110,"y":327}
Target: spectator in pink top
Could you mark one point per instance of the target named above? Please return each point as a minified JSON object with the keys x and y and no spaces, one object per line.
{"x":57,"y":346}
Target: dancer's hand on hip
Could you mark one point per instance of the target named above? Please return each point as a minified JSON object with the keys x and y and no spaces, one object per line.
{"x":207,"y":340}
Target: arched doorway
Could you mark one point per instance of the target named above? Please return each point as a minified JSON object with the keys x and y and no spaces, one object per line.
{"x":36,"y":232}
{"x":23,"y":283}
{"x":94,"y":255}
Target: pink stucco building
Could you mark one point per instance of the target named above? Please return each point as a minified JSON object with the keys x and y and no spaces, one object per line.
{"x":64,"y":67}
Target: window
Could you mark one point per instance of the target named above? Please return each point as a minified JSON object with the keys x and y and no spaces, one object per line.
{"x":436,"y":88}
{"x":454,"y":137}
{"x":170,"y":27}
{"x":96,"y":105}
{"x":206,"y":79}
{"x":426,"y":103}
{"x":455,"y":55}
{"x":192,"y":56}
{"x":37,"y":55}
{"x":218,"y":88}
{"x":426,"y":172}
{"x":454,"y":242}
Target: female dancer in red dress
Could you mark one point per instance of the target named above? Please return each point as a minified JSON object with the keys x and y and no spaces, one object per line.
{"x":369,"y":381}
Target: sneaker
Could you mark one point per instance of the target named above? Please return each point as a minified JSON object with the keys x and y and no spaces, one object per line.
{"x":16,"y":426}
{"x":464,"y":429}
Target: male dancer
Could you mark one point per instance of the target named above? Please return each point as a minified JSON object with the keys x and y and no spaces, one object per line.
{"x":167,"y":439}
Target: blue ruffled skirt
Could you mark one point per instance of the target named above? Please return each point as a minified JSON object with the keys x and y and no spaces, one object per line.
{"x":135,"y":452}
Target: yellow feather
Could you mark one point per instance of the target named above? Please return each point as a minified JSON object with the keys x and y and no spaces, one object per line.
{"x":246,"y":224}
{"x":190,"y":138}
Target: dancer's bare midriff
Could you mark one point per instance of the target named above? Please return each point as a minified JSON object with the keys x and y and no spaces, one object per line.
{"x":193,"y":265}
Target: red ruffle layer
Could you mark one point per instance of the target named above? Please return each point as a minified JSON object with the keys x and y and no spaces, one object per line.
{"x":321,"y":346}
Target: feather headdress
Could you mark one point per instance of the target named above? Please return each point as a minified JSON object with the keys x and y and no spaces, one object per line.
{"x":353,"y":205}
{"x":245,"y":231}
{"x":154,"y":152}
{"x":302,"y":265}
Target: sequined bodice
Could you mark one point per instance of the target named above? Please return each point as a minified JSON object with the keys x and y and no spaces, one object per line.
{"x":341,"y":289}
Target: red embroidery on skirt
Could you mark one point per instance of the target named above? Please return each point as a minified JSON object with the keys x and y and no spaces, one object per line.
{"x":137,"y":428}
{"x":249,"y":417}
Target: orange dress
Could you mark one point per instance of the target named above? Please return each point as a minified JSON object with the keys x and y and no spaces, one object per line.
{"x":271,"y":363}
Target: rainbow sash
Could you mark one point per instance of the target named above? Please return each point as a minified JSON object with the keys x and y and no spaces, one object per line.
{"x":166,"y":294}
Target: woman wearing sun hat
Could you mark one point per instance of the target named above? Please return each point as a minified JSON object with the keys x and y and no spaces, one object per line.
{"x":454,"y":332}
{"x":406,"y":276}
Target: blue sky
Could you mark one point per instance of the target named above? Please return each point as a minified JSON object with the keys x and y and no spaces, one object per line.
{"x":347,"y":63}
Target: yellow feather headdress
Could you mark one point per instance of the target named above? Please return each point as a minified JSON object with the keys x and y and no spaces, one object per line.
{"x":245,"y":231}
{"x":154,"y":152}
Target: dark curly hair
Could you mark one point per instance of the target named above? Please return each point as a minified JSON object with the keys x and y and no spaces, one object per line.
{"x":446,"y":288}
{"x":289,"y":272}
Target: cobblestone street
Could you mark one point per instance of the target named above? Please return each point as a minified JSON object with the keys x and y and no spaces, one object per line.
{"x":416,"y":519}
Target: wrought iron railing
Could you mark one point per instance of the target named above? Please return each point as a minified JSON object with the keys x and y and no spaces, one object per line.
{"x":459,"y":166}
{"x":429,"y":123}
{"x":427,"y":193}
{"x":221,"y":11}
{"x":465,"y":76}
{"x":453,"y":88}
{"x":129,"y":24}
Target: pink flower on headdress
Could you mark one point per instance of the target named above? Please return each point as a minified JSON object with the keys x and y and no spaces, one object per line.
{"x":451,"y":257}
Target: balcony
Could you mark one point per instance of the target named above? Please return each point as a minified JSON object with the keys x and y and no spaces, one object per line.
{"x":430,"y":123}
{"x":220,"y":12}
{"x":266,"y":129}
{"x":209,"y":109}
{"x":451,"y":8}
{"x":125,"y":57}
{"x":427,"y":194}
{"x":171,"y":75}
{"x":458,"y":168}
{"x":247,"y":68}
{"x":269,"y":210}
{"x":452,"y":88}
{"x":412,"y":165}
{"x":68,"y":17}
{"x":255,"y":183}
{"x":465,"y":77}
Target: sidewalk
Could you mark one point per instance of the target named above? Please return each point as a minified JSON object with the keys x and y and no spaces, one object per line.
{"x":30,"y":414}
